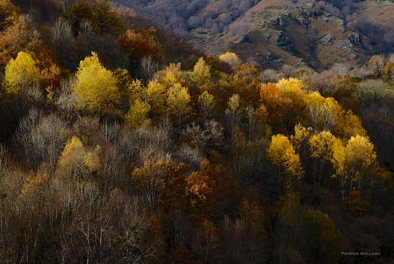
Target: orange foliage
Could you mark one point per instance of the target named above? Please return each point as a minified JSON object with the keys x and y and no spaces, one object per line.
{"x":355,"y":203}
{"x":139,"y":43}
{"x":273,"y":106}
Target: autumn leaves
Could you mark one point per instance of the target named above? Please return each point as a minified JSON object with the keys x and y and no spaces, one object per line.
{"x":335,"y":137}
{"x":325,"y":136}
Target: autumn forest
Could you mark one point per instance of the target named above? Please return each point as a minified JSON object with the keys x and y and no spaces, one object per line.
{"x":120,"y":142}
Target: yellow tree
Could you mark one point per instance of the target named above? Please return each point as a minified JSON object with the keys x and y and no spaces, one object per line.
{"x":296,"y":100}
{"x":231,"y":59}
{"x":207,"y":105}
{"x":300,"y":141}
{"x":361,"y":159}
{"x":353,"y":161}
{"x":155,"y":95}
{"x":76,"y":161}
{"x":95,"y":87}
{"x":321,"y":148}
{"x":21,"y":73}
{"x":200,"y":74}
{"x":321,"y":112}
{"x":233,"y":111}
{"x":138,"y":113}
{"x":178,"y":101}
{"x":338,"y":160}
{"x":282,"y":154}
{"x":352,"y":126}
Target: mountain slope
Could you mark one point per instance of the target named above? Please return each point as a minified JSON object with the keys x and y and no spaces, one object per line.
{"x":272,"y":33}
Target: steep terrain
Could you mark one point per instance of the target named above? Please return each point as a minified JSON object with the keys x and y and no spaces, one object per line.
{"x":271,"y":33}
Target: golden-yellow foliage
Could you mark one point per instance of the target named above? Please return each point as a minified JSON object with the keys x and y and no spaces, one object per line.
{"x":21,"y":73}
{"x":282,"y":153}
{"x":95,"y":86}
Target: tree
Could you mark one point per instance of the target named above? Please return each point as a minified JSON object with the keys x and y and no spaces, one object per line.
{"x":21,"y":73}
{"x":8,"y":12}
{"x":207,"y":105}
{"x":273,"y":105}
{"x":231,"y":59}
{"x":139,"y":43}
{"x":78,"y":13}
{"x":321,"y":112}
{"x":296,"y":102}
{"x":95,"y":87}
{"x":361,"y":159}
{"x":62,"y":39}
{"x":76,"y":161}
{"x":344,"y":93}
{"x":178,"y":101}
{"x":155,"y":95}
{"x":355,"y":203}
{"x":106,"y":20}
{"x":353,"y":161}
{"x":326,"y":241}
{"x":377,"y":64}
{"x":200,"y":74}
{"x":321,"y":148}
{"x":282,"y":154}
{"x":138,"y":113}
{"x":149,"y":180}
{"x":233,"y":111}
{"x":370,"y":92}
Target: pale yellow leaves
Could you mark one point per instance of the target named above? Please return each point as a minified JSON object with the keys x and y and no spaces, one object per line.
{"x":231,"y":59}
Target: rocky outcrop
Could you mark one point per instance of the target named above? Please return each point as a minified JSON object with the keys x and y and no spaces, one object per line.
{"x":346,"y":45}
{"x":282,"y":40}
{"x":303,"y":22}
{"x":282,"y":20}
{"x":269,"y":56}
{"x":244,"y":39}
{"x":327,"y":40}
{"x":355,"y":39}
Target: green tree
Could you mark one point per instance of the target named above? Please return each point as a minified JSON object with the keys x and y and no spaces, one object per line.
{"x":107,"y":21}
{"x":326,"y":241}
{"x":21,"y":73}
{"x":95,"y":87}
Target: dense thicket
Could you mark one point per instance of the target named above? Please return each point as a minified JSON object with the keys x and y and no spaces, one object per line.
{"x":109,"y":153}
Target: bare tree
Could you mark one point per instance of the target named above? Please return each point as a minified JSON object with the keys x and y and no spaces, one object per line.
{"x":339,"y":69}
{"x":269,"y":76}
{"x":148,"y":67}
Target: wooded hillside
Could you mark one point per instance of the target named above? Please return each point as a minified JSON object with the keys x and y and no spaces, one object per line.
{"x":120,"y":143}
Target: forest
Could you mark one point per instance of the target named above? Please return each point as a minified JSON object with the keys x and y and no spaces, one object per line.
{"x":122,"y":143}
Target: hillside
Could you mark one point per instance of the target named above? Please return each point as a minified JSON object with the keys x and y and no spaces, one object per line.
{"x":121,"y":143}
{"x":273,"y":33}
